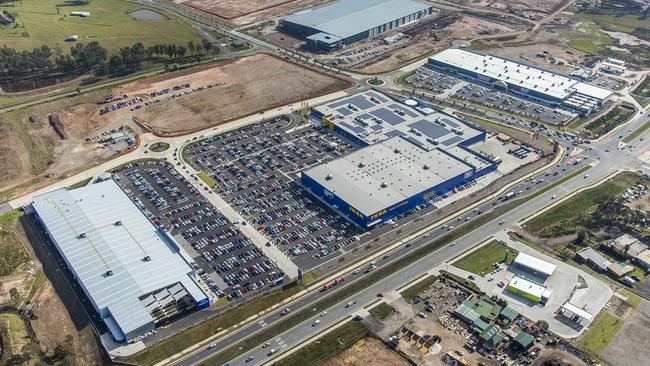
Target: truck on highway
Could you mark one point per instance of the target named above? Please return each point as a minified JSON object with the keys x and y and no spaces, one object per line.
{"x":509,"y":195}
{"x":332,"y":283}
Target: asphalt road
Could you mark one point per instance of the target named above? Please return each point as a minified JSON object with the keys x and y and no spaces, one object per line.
{"x":595,"y":153}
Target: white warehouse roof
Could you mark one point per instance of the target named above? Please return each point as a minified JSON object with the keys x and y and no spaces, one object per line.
{"x":386,"y":173}
{"x":529,"y":77}
{"x":97,"y":229}
{"x":535,"y":264}
{"x":346,"y":18}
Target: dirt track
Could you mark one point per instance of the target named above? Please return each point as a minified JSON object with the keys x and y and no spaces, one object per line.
{"x":367,"y":351}
{"x":253,"y":84}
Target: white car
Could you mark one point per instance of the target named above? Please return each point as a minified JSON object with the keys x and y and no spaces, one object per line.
{"x":315,"y":323}
{"x":323,"y":313}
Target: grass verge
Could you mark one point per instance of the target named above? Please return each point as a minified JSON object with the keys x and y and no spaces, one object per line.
{"x":617,"y":116}
{"x":308,"y":277}
{"x":547,"y":223}
{"x":159,"y":147}
{"x":636,"y":133}
{"x":482,"y":261}
{"x":180,"y":342}
{"x":79,"y":184}
{"x":12,"y":251}
{"x":326,"y":346}
{"x":381,"y":311}
{"x":417,"y":288}
{"x":632,"y":298}
{"x":600,"y":333}
{"x":210,"y":327}
{"x":206,"y":179}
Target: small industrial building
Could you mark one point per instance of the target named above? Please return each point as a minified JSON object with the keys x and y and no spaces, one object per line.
{"x":411,"y":155}
{"x":577,"y":314}
{"x":534,"y":265}
{"x":530,"y":81}
{"x":528,"y":289}
{"x":343,"y":22}
{"x":620,"y":269}
{"x":643,"y":259}
{"x":133,"y":272}
{"x":594,"y":259}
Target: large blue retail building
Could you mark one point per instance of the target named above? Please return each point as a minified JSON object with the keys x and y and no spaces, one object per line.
{"x":409,"y":154}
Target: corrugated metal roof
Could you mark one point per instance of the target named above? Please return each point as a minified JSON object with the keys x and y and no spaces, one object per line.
{"x":346,"y":18}
{"x":529,"y":77}
{"x":83,"y":224}
{"x":535,"y":263}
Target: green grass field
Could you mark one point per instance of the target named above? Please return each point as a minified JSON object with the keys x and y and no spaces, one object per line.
{"x":580,"y":204}
{"x":600,"y":333}
{"x":617,"y":116}
{"x":326,"y":346}
{"x":587,"y":37}
{"x":109,"y":23}
{"x":629,"y":138}
{"x":206,"y":179}
{"x":482,"y":261}
{"x":12,"y":252}
{"x":381,"y":311}
{"x":414,"y":290}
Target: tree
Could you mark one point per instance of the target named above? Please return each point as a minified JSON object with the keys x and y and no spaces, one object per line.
{"x":207,"y":45}
{"x":582,"y":235}
{"x":191,"y":47}
{"x":542,"y":324}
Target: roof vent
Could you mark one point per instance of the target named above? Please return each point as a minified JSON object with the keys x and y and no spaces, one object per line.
{"x":384,"y":185}
{"x":397,"y":150}
{"x":109,"y":273}
{"x":146,"y":258}
{"x":329,"y":177}
{"x":426,"y":167}
{"x":81,"y":236}
{"x":118,"y":223}
{"x":362,"y":164}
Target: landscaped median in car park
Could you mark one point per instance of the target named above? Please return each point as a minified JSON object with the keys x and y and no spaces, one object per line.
{"x":274,"y":330}
{"x":193,"y":338}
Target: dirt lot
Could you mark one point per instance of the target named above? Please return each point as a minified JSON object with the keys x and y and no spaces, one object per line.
{"x":50,"y":314}
{"x":550,"y":357}
{"x":367,"y":351}
{"x":241,"y":12}
{"x":34,"y":155}
{"x":252,"y":84}
{"x":629,"y":346}
{"x":511,"y":5}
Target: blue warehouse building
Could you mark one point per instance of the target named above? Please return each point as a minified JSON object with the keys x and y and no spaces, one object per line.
{"x":530,"y":81}
{"x":410,"y":154}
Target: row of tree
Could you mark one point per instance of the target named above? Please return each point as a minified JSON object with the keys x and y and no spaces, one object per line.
{"x":92,"y":57}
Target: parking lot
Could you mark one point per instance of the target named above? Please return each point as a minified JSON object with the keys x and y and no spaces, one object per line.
{"x":606,"y":81}
{"x":508,"y":103}
{"x":257,"y":170}
{"x":437,"y":82}
{"x":227,"y":261}
{"x":428,"y":79}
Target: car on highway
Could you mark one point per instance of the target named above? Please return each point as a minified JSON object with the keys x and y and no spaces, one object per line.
{"x":249,"y":358}
{"x":315,"y":323}
{"x":285,"y":311}
{"x":271,"y":352}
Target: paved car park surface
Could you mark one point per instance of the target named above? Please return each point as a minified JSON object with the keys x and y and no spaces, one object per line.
{"x":256,"y":170}
{"x":437,"y":82}
{"x":227,"y":261}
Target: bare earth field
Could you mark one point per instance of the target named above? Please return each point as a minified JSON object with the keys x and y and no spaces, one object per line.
{"x":423,"y":43}
{"x":50,"y":314}
{"x":34,"y":155}
{"x":630,"y":345}
{"x":367,"y":351}
{"x":253,"y":84}
{"x":550,"y":357}
{"x":241,"y":12}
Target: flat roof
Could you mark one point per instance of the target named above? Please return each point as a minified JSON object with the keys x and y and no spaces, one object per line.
{"x":372,"y":116}
{"x":83,"y":224}
{"x":535,"y":263}
{"x":527,"y":286}
{"x":595,"y":257}
{"x":525,"y":76}
{"x":577,"y":311}
{"x":346,"y":18}
{"x":386,"y":173}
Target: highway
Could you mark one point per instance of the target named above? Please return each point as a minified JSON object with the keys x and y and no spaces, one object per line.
{"x":604,"y":163}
